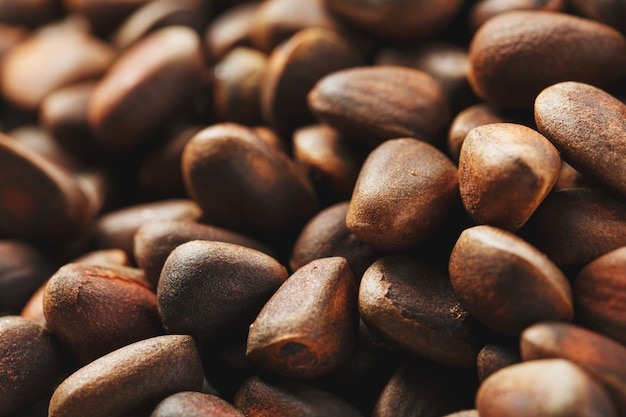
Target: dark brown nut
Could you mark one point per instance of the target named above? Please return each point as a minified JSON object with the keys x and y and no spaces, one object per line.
{"x":103,"y":15}
{"x":506,"y":283}
{"x":269,"y":136}
{"x":47,"y":61}
{"x":600,"y":356}
{"x":23,"y":269}
{"x":413,"y":306}
{"x":600,"y":295}
{"x":41,"y":142}
{"x":505,"y":171}
{"x":261,"y":397}
{"x":332,"y":160}
{"x":116,"y":229}
{"x":277,"y":20}
{"x":96,"y":309}
{"x":575,"y":226}
{"x":374,"y":104}
{"x":154,"y":241}
{"x":230,"y":29}
{"x":194,"y":404}
{"x":237,"y":88}
{"x":146,"y":87}
{"x":588,"y":126}
{"x":326,"y":235}
{"x":39,"y":200}
{"x":30,"y":13}
{"x":611,"y":12}
{"x":404,"y":191}
{"x":307,"y":328}
{"x":133,"y":377}
{"x":553,"y":387}
{"x":207,"y":287}
{"x":31,"y":363}
{"x":467,"y":119}
{"x":402,"y":20}
{"x":158,"y":14}
{"x":493,"y":357}
{"x":294,"y":67}
{"x":484,"y":10}
{"x":504,"y":52}
{"x":274,"y":197}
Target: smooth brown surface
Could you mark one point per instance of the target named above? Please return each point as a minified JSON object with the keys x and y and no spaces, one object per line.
{"x":611,"y":12}
{"x":194,"y":404}
{"x":230,"y":29}
{"x":484,"y":10}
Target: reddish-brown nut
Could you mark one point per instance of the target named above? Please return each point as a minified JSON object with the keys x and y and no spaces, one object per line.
{"x":134,"y":377}
{"x":505,"y":172}
{"x":588,"y":126}
{"x":307,"y":329}
{"x":506,"y":283}
{"x":403,"y":193}
{"x":377,"y":103}
{"x":549,"y":387}
{"x":230,"y":29}
{"x":194,"y":404}
{"x":10,"y":36}
{"x":484,"y":10}
{"x":30,"y":363}
{"x":505,"y":51}
{"x":413,"y":306}
{"x":600,"y":356}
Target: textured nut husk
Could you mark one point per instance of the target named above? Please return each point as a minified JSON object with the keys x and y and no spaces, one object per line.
{"x":505,"y":171}
{"x":401,"y":20}
{"x":373,"y":104}
{"x":484,"y":10}
{"x":137,"y":375}
{"x":194,"y":404}
{"x":602,"y":357}
{"x":274,"y":197}
{"x":146,"y":86}
{"x":505,"y":51}
{"x":404,"y":191}
{"x":577,"y":225}
{"x":205,"y":287}
{"x":506,"y":283}
{"x":39,"y":200}
{"x":230,"y":29}
{"x":493,"y":357}
{"x":30,"y":363}
{"x":154,"y":241}
{"x":262,"y":397}
{"x":413,"y":306}
{"x":96,"y":309}
{"x":600,"y":295}
{"x":43,"y":63}
{"x":553,"y":387}
{"x":588,"y":126}
{"x":308,"y":327}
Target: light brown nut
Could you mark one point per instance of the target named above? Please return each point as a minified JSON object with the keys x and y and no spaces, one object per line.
{"x":504,"y":52}
{"x":588,"y":126}
{"x":373,"y":104}
{"x":412,"y":305}
{"x":194,"y":404}
{"x":130,"y":378}
{"x":505,"y":172}
{"x":506,"y":283}
{"x":553,"y":387}
{"x":464,"y":413}
{"x":405,"y":189}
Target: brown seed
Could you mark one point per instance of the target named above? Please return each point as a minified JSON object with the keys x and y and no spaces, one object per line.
{"x":493,"y":357}
{"x":600,"y":295}
{"x":506,"y":283}
{"x":103,"y":15}
{"x":553,"y":387}
{"x":413,"y":306}
{"x":374,"y":104}
{"x":588,"y":126}
{"x":464,"y":413}
{"x":293,"y":69}
{"x":146,"y":86}
{"x":11,"y":35}
{"x":260,"y":397}
{"x":505,"y":51}
{"x":610,"y":12}
{"x":30,"y":363}
{"x":600,"y":356}
{"x":505,"y":172}
{"x":484,"y":10}
{"x":307,"y":328}
{"x":96,"y":309}
{"x":207,"y":287}
{"x":404,"y":190}
{"x":194,"y":404}
{"x":230,"y":29}
{"x":130,"y":378}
